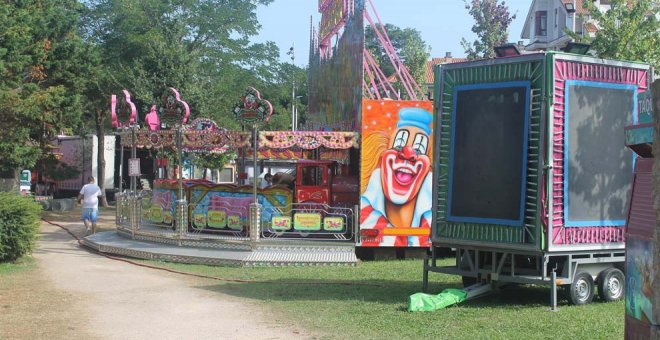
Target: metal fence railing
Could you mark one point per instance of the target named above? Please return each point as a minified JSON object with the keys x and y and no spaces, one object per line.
{"x":308,"y":221}
{"x":220,"y":219}
{"x":141,"y":215}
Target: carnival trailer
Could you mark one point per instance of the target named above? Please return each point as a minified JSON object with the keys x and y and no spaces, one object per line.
{"x":533,"y":180}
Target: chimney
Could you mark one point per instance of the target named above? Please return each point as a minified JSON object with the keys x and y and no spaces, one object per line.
{"x":448,"y":55}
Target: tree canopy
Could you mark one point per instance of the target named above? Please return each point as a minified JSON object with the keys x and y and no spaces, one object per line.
{"x":629,"y":30}
{"x":492,"y":20}
{"x":43,"y":74}
{"x":409,"y":45}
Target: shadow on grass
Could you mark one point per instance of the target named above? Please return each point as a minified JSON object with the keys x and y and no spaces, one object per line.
{"x":380,"y":291}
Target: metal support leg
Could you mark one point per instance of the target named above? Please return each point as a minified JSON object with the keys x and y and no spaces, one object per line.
{"x":425,"y":275}
{"x":181,"y":219}
{"x":132,"y":201}
{"x":553,"y":293}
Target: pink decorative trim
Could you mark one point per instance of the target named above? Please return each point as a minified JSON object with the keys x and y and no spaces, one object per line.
{"x":308,"y":140}
{"x":152,"y":120}
{"x":572,"y":70}
{"x":126,"y":108}
{"x":186,"y":112}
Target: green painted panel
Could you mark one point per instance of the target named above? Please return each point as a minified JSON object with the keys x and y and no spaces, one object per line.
{"x":497,"y":71}
{"x":639,"y":135}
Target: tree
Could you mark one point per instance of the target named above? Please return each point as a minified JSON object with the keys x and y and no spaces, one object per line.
{"x":40,"y":55}
{"x":200,"y":48}
{"x":197,"y":47}
{"x":279,"y":92}
{"x":409,"y":45}
{"x":628,"y":31}
{"x":492,"y":20}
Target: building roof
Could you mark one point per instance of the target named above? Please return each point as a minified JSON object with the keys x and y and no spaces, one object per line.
{"x":428,"y":72}
{"x":591,"y":27}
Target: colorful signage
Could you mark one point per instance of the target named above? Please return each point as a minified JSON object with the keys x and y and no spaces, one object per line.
{"x":333,"y":224}
{"x":157,"y":214}
{"x":645,"y":107}
{"x":280,"y":223}
{"x":199,"y":220}
{"x":173,"y":110}
{"x":146,"y":213}
{"x":252,"y":108}
{"x":217,"y":219}
{"x":639,"y":278}
{"x":307,"y":221}
{"x":234,"y":222}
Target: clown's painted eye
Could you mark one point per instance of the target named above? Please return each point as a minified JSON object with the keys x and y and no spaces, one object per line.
{"x":400,"y":140}
{"x":420,"y":144}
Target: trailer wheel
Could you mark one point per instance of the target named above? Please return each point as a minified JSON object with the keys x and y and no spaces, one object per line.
{"x":611,"y":284}
{"x":581,"y":291}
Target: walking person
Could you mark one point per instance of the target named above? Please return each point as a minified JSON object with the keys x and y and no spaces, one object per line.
{"x":89,"y":196}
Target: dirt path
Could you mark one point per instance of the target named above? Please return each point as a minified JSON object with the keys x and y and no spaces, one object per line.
{"x":121,"y":301}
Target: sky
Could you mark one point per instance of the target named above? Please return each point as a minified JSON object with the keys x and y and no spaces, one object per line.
{"x":442,"y":23}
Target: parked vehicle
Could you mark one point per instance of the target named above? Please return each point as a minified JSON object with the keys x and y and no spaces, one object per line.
{"x":532,"y":174}
{"x":82,"y":153}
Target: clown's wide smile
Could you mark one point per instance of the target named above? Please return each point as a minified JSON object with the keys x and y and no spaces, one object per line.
{"x":405,"y":173}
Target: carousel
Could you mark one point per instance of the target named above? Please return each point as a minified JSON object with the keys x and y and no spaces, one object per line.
{"x":232,"y":218}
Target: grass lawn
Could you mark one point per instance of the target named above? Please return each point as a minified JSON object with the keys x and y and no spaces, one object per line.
{"x":370,"y":301}
{"x":25,"y":263}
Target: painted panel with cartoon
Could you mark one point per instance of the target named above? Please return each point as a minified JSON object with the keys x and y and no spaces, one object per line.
{"x":396,"y":180}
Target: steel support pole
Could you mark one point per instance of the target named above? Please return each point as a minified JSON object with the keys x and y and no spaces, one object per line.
{"x":133,"y":196}
{"x":181,"y":215}
{"x":254,"y":164}
{"x":255,"y":208}
{"x":553,"y":292}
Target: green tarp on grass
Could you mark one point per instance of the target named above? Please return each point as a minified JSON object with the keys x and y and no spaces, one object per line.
{"x":420,"y":302}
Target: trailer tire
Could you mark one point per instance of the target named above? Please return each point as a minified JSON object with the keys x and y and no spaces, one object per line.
{"x":581,"y":290}
{"x":611,"y":284}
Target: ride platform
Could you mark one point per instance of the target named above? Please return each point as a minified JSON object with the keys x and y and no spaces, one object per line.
{"x":265,"y":252}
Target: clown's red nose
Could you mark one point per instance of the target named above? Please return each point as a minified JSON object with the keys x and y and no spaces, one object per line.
{"x":408,"y":153}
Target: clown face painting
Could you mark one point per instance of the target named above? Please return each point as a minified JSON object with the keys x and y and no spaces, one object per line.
{"x":395,"y":205}
{"x":405,"y":165}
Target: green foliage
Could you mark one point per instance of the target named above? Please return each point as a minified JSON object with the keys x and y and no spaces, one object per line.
{"x":492,"y":20}
{"x":59,"y":171}
{"x":212,"y":161}
{"x":19,"y":225}
{"x":201,"y":48}
{"x":39,"y":88}
{"x":628,"y":31}
{"x":409,"y":45}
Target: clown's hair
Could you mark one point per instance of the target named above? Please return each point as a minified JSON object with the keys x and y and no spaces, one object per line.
{"x":373,"y":147}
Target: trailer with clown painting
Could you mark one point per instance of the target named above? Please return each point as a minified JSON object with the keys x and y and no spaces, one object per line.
{"x":532,"y":177}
